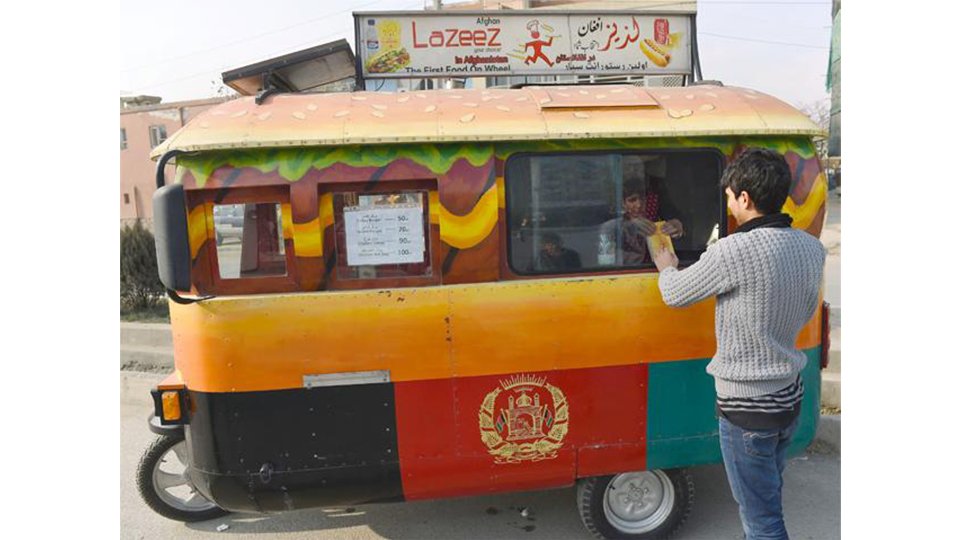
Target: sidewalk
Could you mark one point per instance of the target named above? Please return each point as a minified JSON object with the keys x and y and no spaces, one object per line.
{"x":830,"y":236}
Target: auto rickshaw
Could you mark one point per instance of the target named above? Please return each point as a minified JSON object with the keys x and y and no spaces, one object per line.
{"x":426,"y":300}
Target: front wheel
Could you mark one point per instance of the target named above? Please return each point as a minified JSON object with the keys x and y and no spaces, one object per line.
{"x":164,"y":485}
{"x":636,"y":505}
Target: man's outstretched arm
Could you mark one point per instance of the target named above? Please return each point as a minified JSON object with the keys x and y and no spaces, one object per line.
{"x":705,"y":278}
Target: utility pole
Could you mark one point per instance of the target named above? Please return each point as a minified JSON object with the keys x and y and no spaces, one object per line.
{"x":444,"y":82}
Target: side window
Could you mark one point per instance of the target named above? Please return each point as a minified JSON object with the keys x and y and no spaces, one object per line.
{"x":593,"y":212}
{"x":249,"y":239}
{"x":158,"y":134}
{"x":123,"y":139}
{"x":382,"y":235}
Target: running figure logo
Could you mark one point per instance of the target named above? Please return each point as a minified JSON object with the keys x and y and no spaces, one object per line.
{"x":537,"y":44}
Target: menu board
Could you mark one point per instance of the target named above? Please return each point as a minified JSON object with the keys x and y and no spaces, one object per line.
{"x":384,"y":234}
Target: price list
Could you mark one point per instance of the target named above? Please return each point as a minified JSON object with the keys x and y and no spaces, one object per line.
{"x":384,"y":235}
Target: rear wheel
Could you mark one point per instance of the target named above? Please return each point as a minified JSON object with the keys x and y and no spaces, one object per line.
{"x":636,"y":505}
{"x":164,"y":485}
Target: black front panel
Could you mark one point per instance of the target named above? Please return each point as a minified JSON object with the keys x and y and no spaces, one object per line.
{"x":290,"y":449}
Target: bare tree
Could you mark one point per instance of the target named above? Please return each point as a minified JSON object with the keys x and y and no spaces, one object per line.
{"x":819,"y":112}
{"x":221,"y":90}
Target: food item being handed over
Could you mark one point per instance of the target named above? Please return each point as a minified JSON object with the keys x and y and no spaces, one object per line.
{"x":658,"y":240}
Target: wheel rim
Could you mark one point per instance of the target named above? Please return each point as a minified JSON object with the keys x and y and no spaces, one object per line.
{"x":638,"y":502}
{"x":172,"y":485}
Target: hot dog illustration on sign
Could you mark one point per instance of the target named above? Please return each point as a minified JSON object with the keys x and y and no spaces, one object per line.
{"x":524,"y":419}
{"x":537,"y":44}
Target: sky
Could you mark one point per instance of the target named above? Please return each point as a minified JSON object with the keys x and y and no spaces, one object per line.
{"x":779,"y":47}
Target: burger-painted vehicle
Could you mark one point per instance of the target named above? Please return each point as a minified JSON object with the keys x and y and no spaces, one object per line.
{"x":428,"y":302}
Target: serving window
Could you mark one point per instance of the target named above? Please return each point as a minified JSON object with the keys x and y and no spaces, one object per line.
{"x":593,"y":212}
{"x":252,"y":246}
{"x":249,"y":240}
{"x":383,"y":236}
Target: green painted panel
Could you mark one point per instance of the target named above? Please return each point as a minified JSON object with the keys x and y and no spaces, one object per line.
{"x":682,"y":425}
{"x":293,"y":163}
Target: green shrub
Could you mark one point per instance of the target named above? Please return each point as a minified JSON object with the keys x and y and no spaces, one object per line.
{"x":140,"y":285}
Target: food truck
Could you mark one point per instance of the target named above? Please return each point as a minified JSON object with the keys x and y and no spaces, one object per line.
{"x":426,"y":300}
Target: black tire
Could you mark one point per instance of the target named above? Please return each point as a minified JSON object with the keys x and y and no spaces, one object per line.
{"x":591,"y":493}
{"x":148,"y":491}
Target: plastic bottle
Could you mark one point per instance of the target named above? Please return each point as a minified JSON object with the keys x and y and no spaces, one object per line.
{"x":373,"y":42}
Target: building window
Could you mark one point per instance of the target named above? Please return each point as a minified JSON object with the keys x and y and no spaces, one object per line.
{"x":126,"y":198}
{"x":123,"y":139}
{"x":249,"y":240}
{"x":158,"y":134}
{"x":591,"y":212}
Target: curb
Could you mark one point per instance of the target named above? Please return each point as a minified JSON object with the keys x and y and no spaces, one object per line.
{"x":827,"y":439}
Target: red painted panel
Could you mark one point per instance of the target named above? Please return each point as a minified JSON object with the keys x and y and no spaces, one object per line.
{"x":519,"y":431}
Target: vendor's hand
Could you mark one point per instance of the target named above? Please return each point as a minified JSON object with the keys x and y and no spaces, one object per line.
{"x":645,"y":226}
{"x":673,"y":228}
{"x":665,"y":259}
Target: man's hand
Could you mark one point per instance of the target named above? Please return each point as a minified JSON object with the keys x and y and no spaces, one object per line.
{"x":665,"y":259}
{"x":673,"y":228}
{"x":645,"y":226}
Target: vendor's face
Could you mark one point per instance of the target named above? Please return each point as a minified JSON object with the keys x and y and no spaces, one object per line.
{"x":633,"y":206}
{"x":551,"y":249}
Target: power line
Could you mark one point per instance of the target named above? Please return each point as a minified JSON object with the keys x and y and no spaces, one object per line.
{"x":218,"y":70}
{"x":737,"y":38}
{"x":314,"y":40}
{"x":769,"y":3}
{"x":245,"y":40}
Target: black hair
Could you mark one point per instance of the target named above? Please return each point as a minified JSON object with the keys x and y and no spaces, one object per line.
{"x":552,"y":238}
{"x":634,"y":186}
{"x":763,"y":174}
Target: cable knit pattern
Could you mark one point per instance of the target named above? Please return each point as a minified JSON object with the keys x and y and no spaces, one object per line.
{"x":767,"y":283}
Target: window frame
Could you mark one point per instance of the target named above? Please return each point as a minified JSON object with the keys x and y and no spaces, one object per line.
{"x":430,"y":188}
{"x":156,"y":141}
{"x":639,"y":269}
{"x":288,"y":282}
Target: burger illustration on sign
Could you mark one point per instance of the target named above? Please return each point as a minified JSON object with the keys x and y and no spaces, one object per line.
{"x":391,"y":56}
{"x":524,"y":419}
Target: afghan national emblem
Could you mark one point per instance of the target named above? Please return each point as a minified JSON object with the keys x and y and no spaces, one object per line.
{"x":524,"y":419}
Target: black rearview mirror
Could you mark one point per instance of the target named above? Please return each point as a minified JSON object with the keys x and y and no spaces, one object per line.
{"x":172,"y":238}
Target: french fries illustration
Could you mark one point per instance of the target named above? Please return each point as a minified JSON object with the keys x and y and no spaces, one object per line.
{"x":655,"y":53}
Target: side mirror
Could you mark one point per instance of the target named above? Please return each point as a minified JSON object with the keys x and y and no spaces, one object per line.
{"x":173,"y":240}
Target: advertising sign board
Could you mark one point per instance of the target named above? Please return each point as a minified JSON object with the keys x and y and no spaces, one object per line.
{"x":504,"y":43}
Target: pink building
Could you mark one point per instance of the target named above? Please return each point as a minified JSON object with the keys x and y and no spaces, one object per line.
{"x":145,"y":123}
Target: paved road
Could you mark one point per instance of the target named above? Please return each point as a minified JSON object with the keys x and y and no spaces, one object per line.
{"x":812,"y":504}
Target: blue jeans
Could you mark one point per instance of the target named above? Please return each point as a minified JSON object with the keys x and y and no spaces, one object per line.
{"x":754,"y":461}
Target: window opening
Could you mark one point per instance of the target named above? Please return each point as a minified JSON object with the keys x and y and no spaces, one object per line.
{"x":594,"y":211}
{"x":249,"y":240}
{"x":123,"y":139}
{"x":382,"y":235}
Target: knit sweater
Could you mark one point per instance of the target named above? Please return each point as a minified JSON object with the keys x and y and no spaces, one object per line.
{"x":767,"y":283}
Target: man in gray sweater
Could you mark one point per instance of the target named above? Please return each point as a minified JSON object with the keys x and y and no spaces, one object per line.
{"x":766,"y":277}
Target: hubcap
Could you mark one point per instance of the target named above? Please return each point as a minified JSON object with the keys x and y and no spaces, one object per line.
{"x":638,"y":502}
{"x":172,"y":485}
